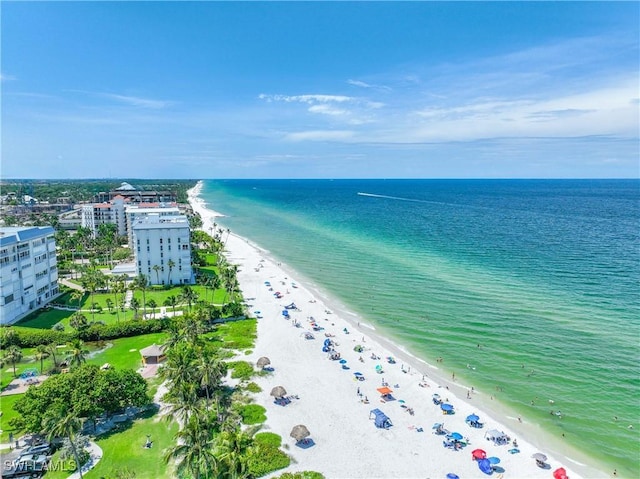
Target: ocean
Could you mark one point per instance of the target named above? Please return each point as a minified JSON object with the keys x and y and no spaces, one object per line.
{"x":528,"y":289}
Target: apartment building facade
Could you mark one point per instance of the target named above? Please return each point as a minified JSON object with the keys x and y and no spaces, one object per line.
{"x":162,"y":248}
{"x":28,"y":271}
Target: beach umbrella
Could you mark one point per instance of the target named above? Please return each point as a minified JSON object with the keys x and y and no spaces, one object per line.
{"x":263,"y":361}
{"x":358,"y":374}
{"x":451,"y":475}
{"x":485,"y":466}
{"x":384,"y":391}
{"x":300,"y":432}
{"x":278,"y":392}
{"x":538,"y":456}
{"x":343,"y":361}
{"x":437,"y":425}
{"x":494,"y":460}
{"x":473,"y":417}
{"x":446,"y":407}
{"x":478,"y":454}
{"x":456,"y":436}
{"x":560,"y":473}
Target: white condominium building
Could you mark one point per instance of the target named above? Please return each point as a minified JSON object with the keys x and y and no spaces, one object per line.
{"x":162,"y":249}
{"x":132,"y":212}
{"x":29,"y":271}
{"x":96,"y":214}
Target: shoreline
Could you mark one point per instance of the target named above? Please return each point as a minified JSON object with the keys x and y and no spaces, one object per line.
{"x":407,"y":455}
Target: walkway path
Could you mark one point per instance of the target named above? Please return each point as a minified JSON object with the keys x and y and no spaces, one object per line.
{"x":71,"y":285}
{"x":127,"y":299}
{"x":95,"y":454}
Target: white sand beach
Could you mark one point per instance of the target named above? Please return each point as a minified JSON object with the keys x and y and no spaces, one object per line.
{"x":346,"y":443}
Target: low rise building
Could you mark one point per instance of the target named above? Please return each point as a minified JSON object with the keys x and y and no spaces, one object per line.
{"x":28,"y":271}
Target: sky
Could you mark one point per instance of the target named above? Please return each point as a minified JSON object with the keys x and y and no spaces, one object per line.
{"x":320,"y":89}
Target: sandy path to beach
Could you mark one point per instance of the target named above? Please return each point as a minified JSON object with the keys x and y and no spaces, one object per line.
{"x":346,"y":443}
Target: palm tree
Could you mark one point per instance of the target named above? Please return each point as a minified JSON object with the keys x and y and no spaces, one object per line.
{"x":13,"y":355}
{"x":135,"y":306}
{"x":192,"y":330}
{"x":77,"y":296}
{"x":170,"y":265}
{"x":152,"y":304}
{"x":193,"y":453}
{"x":231,"y":451}
{"x":77,"y":355}
{"x":109,"y":304}
{"x":52,"y":350}
{"x":60,"y":422}
{"x":210,"y":372}
{"x":157,"y":269}
{"x":183,"y":401}
{"x":171,"y":301}
{"x":188,"y":295}
{"x":41,"y":354}
{"x":141,"y":282}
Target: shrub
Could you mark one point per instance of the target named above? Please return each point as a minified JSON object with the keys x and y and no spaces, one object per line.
{"x":301,"y":475}
{"x":241,"y":370}
{"x":253,"y":388}
{"x":252,"y":414}
{"x":267,"y":439}
{"x":32,"y":337}
{"x":96,"y":332}
{"x":266,"y":459}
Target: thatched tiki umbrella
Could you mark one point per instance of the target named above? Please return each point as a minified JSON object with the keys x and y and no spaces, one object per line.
{"x":263,"y":361}
{"x":300,"y":432}
{"x":278,"y":392}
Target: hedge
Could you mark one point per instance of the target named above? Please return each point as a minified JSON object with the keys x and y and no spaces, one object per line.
{"x":32,"y":337}
{"x":266,"y":459}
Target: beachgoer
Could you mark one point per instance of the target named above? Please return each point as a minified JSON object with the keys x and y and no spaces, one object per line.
{"x":468,"y":395}
{"x":453,"y":376}
{"x":519,"y":419}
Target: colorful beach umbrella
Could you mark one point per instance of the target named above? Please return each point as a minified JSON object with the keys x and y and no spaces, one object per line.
{"x":473,"y":417}
{"x":456,"y":436}
{"x":446,"y":407}
{"x":438,"y":425}
{"x":494,"y":460}
{"x":485,"y":466}
{"x":560,"y":473}
{"x":478,"y":454}
{"x":451,"y":475}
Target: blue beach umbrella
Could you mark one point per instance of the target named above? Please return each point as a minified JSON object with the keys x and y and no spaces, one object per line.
{"x":494,"y":460}
{"x":343,"y":361}
{"x":446,"y":407}
{"x":437,"y":425}
{"x":485,"y":466}
{"x":455,"y":435}
{"x":451,"y":475}
{"x":473,"y":417}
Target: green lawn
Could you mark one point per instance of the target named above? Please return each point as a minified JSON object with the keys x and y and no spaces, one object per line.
{"x":6,"y":406}
{"x":125,"y":352}
{"x":125,"y":450}
{"x":44,"y":319}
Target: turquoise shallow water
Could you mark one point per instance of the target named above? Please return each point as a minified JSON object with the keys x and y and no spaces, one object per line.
{"x":528,"y":289}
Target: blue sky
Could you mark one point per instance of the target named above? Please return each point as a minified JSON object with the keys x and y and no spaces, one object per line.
{"x":320,"y":89}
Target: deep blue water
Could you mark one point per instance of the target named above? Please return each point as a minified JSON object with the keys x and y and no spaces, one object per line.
{"x":533,"y":282}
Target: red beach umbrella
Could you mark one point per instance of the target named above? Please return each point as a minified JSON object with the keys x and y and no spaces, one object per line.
{"x":478,"y":454}
{"x":560,"y":473}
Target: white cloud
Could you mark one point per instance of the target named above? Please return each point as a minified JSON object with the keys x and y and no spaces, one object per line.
{"x":4,"y":77}
{"x":327,"y":110}
{"x":138,"y":101}
{"x":306,"y":98}
{"x":320,"y":135}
